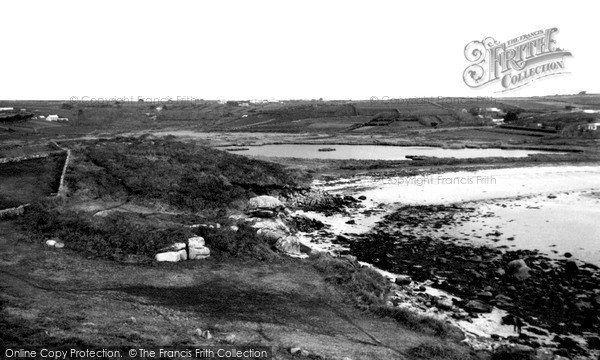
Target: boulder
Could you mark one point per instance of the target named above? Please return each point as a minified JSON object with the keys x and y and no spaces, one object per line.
{"x":183,"y":254}
{"x":196,"y":242}
{"x":518,"y":269}
{"x":199,"y":253}
{"x":265,"y":206}
{"x":444,"y":303}
{"x":59,"y":245}
{"x":478,"y":306}
{"x":288,"y":245}
{"x":403,"y":280}
{"x":571,"y":268}
{"x":51,"y":242}
{"x":170,"y":256}
{"x":273,"y":235}
{"x":275,"y":225}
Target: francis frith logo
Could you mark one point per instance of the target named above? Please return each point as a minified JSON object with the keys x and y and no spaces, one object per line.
{"x":516,"y":62}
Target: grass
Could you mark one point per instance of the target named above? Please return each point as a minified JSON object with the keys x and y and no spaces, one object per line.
{"x":117,"y":237}
{"x":27,"y":181}
{"x":369,"y":289}
{"x":185,"y":176}
{"x":439,"y":351}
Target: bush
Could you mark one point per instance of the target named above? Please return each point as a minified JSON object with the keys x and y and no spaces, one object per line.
{"x":114,"y":237}
{"x":244,"y":243}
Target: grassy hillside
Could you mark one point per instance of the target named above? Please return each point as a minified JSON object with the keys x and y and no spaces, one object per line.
{"x":182,"y":176}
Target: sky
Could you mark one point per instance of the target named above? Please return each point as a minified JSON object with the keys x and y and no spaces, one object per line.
{"x":277,"y":49}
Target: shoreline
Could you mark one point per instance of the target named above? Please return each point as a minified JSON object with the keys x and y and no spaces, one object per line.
{"x":539,"y":331}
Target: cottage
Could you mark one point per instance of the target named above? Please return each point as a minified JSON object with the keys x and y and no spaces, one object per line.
{"x":52,"y":118}
{"x":593,"y":126}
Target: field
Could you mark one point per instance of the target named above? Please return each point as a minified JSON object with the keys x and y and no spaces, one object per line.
{"x":30,"y":180}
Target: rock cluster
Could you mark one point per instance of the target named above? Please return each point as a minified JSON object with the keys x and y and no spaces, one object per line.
{"x":560,"y":295}
{"x":322,"y":201}
{"x":194,"y":249}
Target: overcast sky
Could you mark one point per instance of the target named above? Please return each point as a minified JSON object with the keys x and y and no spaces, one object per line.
{"x":276,"y":49}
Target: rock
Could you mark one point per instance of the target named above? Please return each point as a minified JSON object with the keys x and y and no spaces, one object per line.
{"x":444,"y":303}
{"x":183,"y":254}
{"x":403,"y":280}
{"x":571,"y":268}
{"x":568,"y":254}
{"x":273,"y":235}
{"x":276,"y":226}
{"x":51,"y":242}
{"x":234,"y":228}
{"x":500,"y":272}
{"x":288,"y":245}
{"x":593,"y":342}
{"x":264,"y":214}
{"x":351,"y":222}
{"x":196,"y":242}
{"x":561,"y":353}
{"x":485,"y":295}
{"x":304,"y":353}
{"x":295,"y":350}
{"x":59,"y":245}
{"x":199,"y":253}
{"x":265,"y":206}
{"x":198,"y":332}
{"x":175,"y":247}
{"x":362,"y":197}
{"x":349,"y":257}
{"x":478,"y":306}
{"x":543,"y":354}
{"x":518,"y":269}
{"x":171,"y":256}
{"x":501,"y":297}
{"x":207,"y":335}
{"x":514,"y":351}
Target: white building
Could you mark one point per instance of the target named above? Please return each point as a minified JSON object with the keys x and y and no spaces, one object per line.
{"x":6,"y":109}
{"x":52,"y":118}
{"x":593,"y":126}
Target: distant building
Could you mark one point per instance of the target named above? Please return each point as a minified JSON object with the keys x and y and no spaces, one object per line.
{"x":6,"y":109}
{"x":52,"y":118}
{"x":593,"y":126}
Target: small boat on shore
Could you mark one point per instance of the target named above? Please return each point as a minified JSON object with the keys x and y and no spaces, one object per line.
{"x":237,"y":149}
{"x":326,"y":149}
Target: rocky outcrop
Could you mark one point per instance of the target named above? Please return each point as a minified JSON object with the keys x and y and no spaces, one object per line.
{"x":321,"y":201}
{"x":265,"y":206}
{"x":518,"y":269}
{"x":194,"y":249}
{"x":289,"y":245}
